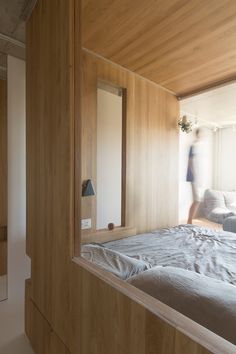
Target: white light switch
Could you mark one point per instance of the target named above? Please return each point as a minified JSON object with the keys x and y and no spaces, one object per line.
{"x":86,"y":224}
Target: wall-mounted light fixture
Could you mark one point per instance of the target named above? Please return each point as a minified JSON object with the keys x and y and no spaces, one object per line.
{"x":185,"y":125}
{"x":87,"y":188}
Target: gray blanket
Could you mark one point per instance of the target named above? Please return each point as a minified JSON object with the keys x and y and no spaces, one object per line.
{"x":114,"y":262}
{"x":204,"y":251}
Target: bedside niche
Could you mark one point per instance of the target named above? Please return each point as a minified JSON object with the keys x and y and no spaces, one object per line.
{"x":104,"y":164}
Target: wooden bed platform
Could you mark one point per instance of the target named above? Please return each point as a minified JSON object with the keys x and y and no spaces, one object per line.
{"x":71,"y":306}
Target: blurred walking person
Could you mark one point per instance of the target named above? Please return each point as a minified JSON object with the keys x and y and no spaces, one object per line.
{"x":195,"y":173}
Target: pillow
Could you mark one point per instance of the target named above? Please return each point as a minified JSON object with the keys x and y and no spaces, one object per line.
{"x":218,"y":215}
{"x":210,"y":302}
{"x":215,"y":207}
{"x":213,"y":199}
{"x":118,"y":264}
{"x":230,"y":200}
{"x":230,"y":224}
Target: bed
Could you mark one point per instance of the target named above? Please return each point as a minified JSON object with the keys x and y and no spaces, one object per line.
{"x":190,"y":268}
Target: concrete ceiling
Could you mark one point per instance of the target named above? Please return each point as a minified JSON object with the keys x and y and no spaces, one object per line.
{"x":215,"y":108}
{"x":13,"y":14}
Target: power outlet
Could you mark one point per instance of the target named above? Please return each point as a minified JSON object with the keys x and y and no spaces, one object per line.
{"x":86,"y":224}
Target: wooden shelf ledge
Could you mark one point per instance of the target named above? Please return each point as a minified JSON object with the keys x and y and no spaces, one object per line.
{"x":106,"y":235}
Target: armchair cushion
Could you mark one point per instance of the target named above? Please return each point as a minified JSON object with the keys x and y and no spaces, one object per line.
{"x":230,"y":201}
{"x":215,"y":207}
{"x":230,"y":224}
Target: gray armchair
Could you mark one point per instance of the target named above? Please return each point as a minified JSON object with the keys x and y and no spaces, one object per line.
{"x":229,"y":224}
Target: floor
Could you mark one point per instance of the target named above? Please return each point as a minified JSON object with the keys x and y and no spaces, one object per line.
{"x":202,"y":222}
{"x":12,"y":338}
{"x":207,"y":223}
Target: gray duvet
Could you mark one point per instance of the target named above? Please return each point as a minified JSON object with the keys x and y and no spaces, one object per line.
{"x":201,"y":250}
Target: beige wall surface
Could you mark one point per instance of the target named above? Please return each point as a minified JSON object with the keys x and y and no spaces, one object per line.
{"x":18,"y":263}
{"x":109,"y":159}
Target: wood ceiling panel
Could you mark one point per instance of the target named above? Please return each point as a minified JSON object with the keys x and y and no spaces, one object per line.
{"x":183,"y":45}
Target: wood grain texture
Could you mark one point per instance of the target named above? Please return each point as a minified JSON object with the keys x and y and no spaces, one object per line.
{"x":71,"y":307}
{"x":151,"y":146}
{"x":89,"y":140}
{"x":43,"y":339}
{"x":108,"y":235}
{"x":50,"y":157}
{"x":3,"y":153}
{"x":76,"y":101}
{"x":184,"y":45}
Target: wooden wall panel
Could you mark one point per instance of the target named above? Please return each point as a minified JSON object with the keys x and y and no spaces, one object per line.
{"x":43,"y":339}
{"x":151,"y":143}
{"x":3,"y":153}
{"x":50,"y":157}
{"x":89,"y":139}
{"x":71,"y":307}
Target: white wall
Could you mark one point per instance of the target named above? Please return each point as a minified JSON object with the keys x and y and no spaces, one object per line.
{"x":185,"y":192}
{"x":18,"y":264}
{"x":109,"y":158}
{"x":225,"y":160}
{"x":12,"y":338}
